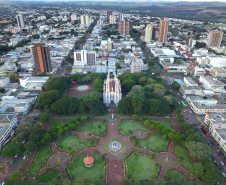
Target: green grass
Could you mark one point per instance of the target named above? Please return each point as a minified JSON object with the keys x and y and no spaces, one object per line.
{"x":175,"y":177}
{"x":40,"y":159}
{"x":127,"y":127}
{"x":71,"y":143}
{"x":166,"y":124}
{"x":99,"y":128}
{"x":141,"y":167}
{"x":156,"y":143}
{"x":47,"y":177}
{"x":78,"y":170}
{"x":183,"y":157}
{"x":212,"y":26}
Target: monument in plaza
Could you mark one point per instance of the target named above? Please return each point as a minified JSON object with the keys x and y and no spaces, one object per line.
{"x":112,"y":90}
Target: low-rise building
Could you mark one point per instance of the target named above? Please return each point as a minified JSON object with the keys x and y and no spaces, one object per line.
{"x":216,"y":125}
{"x":191,"y":91}
{"x":218,"y":72}
{"x":212,"y":84}
{"x":4,"y":80}
{"x":190,"y":82}
{"x":8,"y":123}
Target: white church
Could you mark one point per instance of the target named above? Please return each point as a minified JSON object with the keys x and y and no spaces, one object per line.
{"x":112,"y":90}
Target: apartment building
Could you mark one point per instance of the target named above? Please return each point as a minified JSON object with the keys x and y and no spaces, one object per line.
{"x":214,"y":39}
{"x":163,"y":30}
{"x":124,"y":27}
{"x":218,"y":72}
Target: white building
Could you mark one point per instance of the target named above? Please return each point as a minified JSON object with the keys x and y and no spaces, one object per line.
{"x":112,"y":90}
{"x":8,"y":123}
{"x":199,"y":71}
{"x":73,"y":17}
{"x":190,"y":82}
{"x":20,"y":21}
{"x":4,"y":80}
{"x":212,"y":84}
{"x":112,"y":19}
{"x":148,"y":33}
{"x":84,"y":57}
{"x":33,"y":81}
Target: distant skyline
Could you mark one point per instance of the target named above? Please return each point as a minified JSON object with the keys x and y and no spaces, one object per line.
{"x":144,"y":1}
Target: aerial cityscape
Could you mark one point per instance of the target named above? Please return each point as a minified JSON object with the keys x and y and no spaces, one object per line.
{"x":112,"y":93}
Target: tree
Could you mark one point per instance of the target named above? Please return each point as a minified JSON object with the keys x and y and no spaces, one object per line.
{"x":125,"y":106}
{"x":45,"y":117}
{"x":2,"y":90}
{"x":12,"y":149}
{"x":118,"y":66}
{"x":26,"y":127}
{"x":200,"y":45}
{"x":31,"y":146}
{"x":135,"y":117}
{"x":176,"y":85}
{"x":128,"y":84}
{"x":68,"y":68}
{"x":47,"y":98}
{"x":198,"y":150}
{"x":198,"y":169}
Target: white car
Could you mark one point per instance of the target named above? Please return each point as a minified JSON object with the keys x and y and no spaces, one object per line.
{"x":223,"y":174}
{"x":25,"y":157}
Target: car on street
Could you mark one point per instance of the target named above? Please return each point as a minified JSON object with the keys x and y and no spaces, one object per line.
{"x":222,"y":163}
{"x":12,"y":162}
{"x":223,"y":174}
{"x":218,"y":153}
{"x":24,"y":157}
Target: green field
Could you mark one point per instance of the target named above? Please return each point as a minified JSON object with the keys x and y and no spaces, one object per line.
{"x":127,"y":127}
{"x":71,"y":143}
{"x":176,"y":177}
{"x":154,"y":142}
{"x":183,"y":157}
{"x":99,"y":128}
{"x":78,"y":170}
{"x":142,"y":167}
{"x":40,"y":159}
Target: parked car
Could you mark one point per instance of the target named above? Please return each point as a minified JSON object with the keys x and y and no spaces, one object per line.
{"x":12,"y":162}
{"x":223,"y":174}
{"x":25,"y":157}
{"x":222,"y":163}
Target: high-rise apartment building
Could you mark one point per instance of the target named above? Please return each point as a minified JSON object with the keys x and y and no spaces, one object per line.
{"x":20,"y":21}
{"x":163,"y":29}
{"x":191,"y":42}
{"x":108,"y":14}
{"x":153,"y":33}
{"x":84,"y":19}
{"x":42,"y":59}
{"x":214,"y":39}
{"x":148,"y":33}
{"x":73,"y":17}
{"x":124,"y":27}
{"x":84,"y":57}
{"x":121,"y":17}
{"x":112,"y":19}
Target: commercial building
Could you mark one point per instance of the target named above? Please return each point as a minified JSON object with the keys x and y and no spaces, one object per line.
{"x":112,"y":90}
{"x":33,"y":82}
{"x":148,"y":33}
{"x":190,"y":82}
{"x":42,"y":59}
{"x":212,"y":84}
{"x":124,"y":27}
{"x":191,"y":90}
{"x":20,"y":21}
{"x":199,"y":71}
{"x":137,"y":65}
{"x":4,"y":80}
{"x":216,"y":125}
{"x":218,"y":72}
{"x":84,"y":57}
{"x":163,"y":30}
{"x":214,"y":39}
{"x":8,"y":123}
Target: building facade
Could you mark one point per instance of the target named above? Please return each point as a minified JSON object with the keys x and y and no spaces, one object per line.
{"x":148,"y":33}
{"x":121,"y":17}
{"x":84,"y":57}
{"x":124,"y":27}
{"x":108,"y":14}
{"x":42,"y":59}
{"x":214,"y":39}
{"x":112,"y":90}
{"x":20,"y":21}
{"x":163,"y":30}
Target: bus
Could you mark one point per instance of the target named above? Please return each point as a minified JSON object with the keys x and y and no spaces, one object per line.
{"x":183,"y":104}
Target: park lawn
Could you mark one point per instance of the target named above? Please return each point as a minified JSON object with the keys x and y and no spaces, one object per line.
{"x":71,"y":143}
{"x":40,"y":159}
{"x":156,"y":143}
{"x":58,"y":123}
{"x":78,"y":170}
{"x":167,"y":125}
{"x":127,"y":127}
{"x":176,"y":177}
{"x":47,"y":177}
{"x":99,"y":128}
{"x":183,"y":157}
{"x":141,"y":167}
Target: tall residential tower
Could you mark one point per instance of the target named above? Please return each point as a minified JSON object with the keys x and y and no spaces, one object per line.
{"x":20,"y":20}
{"x":124,"y":27}
{"x":214,"y":39}
{"x":163,"y":29}
{"x":42,"y":59}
